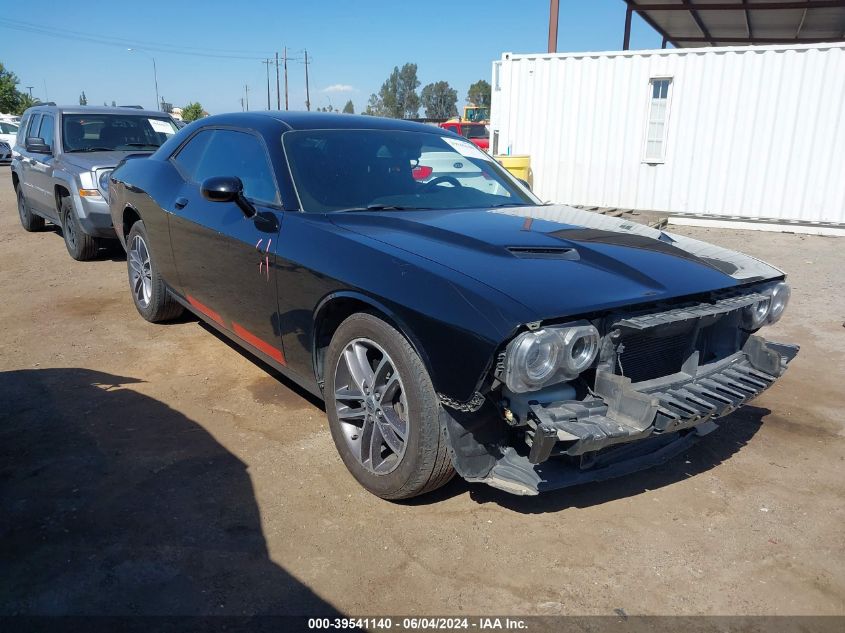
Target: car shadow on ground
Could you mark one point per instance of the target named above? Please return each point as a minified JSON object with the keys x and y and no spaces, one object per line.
{"x":115,"y":504}
{"x":733,"y":433}
{"x":110,"y":250}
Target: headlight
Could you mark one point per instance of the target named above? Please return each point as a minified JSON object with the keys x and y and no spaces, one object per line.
{"x":754,"y":316}
{"x":779,"y":294}
{"x":555,"y":354}
{"x":103,"y":182}
{"x":768,"y":310}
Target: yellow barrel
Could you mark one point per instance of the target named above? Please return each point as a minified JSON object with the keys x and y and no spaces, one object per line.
{"x":519,"y":165}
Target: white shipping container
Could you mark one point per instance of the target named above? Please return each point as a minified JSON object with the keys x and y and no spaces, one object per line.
{"x":749,"y":132}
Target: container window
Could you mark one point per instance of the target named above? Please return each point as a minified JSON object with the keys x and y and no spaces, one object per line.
{"x":658,"y":117}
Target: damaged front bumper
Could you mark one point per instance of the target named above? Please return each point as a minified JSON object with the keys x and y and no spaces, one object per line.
{"x":628,"y":427}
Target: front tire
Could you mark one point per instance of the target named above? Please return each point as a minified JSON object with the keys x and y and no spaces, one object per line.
{"x":383,"y":411}
{"x":29,"y":221}
{"x":80,"y":245}
{"x":149,"y":292}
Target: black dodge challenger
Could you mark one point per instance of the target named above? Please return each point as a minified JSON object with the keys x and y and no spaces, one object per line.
{"x":449,"y":319}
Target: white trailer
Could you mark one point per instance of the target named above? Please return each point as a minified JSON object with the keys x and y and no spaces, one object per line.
{"x":745,"y":133}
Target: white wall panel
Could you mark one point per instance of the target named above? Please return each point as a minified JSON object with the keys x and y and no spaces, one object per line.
{"x":753,"y":132}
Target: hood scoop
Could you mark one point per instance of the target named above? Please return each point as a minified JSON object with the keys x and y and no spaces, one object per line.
{"x":544,"y":252}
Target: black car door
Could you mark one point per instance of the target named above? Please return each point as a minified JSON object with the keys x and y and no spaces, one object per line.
{"x":225,"y":260}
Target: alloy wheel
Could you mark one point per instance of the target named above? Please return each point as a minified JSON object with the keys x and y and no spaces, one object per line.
{"x":69,"y":231}
{"x":140,"y":272}
{"x":371,"y":406}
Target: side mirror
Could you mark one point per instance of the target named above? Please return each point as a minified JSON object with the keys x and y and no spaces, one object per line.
{"x":227,"y":189}
{"x":36,"y":145}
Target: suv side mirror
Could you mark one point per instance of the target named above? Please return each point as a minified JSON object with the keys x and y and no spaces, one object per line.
{"x":36,"y":145}
{"x":227,"y":189}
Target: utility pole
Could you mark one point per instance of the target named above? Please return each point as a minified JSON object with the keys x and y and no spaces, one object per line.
{"x":30,"y":90}
{"x":307,"y":93}
{"x":242,"y":104}
{"x":278,"y":96}
{"x":554,"y":17}
{"x":286,"y":77}
{"x":246,"y":94}
{"x":267,"y":63}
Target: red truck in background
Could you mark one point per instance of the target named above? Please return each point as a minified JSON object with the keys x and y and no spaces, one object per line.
{"x":475,"y":131}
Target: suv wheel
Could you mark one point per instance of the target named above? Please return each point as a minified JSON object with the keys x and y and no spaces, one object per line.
{"x":29,"y":220}
{"x":383,"y":412}
{"x":80,"y":245}
{"x":150,"y":295}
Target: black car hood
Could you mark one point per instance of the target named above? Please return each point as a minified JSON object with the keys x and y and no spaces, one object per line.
{"x":560,"y":261}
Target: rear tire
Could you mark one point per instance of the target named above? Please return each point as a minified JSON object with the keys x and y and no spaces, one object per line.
{"x":149,"y":292}
{"x":363,"y":404}
{"x":80,"y":245}
{"x":29,"y":221}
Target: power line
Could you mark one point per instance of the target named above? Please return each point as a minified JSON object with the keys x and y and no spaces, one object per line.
{"x":113,"y":41}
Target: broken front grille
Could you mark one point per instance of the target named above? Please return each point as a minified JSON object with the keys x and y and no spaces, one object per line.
{"x":647,"y":355}
{"x":657,"y":344}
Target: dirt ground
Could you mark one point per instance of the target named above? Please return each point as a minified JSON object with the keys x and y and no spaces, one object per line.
{"x":155,"y":469}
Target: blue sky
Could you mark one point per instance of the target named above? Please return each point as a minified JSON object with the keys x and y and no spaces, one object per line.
{"x":354,"y":45}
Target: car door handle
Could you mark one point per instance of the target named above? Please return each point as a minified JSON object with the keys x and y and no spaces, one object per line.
{"x":180,"y":203}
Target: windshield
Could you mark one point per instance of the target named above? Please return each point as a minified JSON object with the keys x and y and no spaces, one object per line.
{"x":476,"y":131}
{"x":359,"y":170}
{"x":107,"y":132}
{"x":8,"y":128}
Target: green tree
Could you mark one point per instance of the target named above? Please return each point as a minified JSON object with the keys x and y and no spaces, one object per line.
{"x":349,"y":108}
{"x":27,"y":102}
{"x":83,"y":100}
{"x":388,"y":96}
{"x":439,"y":100}
{"x":12,"y":100}
{"x":375,"y":106}
{"x":408,"y":99}
{"x":398,"y":96}
{"x":479,"y":94}
{"x":192,"y":112}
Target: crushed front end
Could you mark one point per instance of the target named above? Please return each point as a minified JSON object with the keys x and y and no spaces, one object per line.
{"x":628,"y":390}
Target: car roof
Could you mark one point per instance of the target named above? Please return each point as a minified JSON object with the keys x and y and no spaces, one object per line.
{"x":78,"y":109}
{"x":318,"y":121}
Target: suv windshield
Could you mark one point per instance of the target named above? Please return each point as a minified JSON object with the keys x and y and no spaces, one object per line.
{"x":360,"y":170}
{"x":106,"y":132}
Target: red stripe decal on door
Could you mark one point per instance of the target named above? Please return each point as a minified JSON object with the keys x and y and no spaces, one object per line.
{"x":259,"y":344}
{"x":201,"y":307}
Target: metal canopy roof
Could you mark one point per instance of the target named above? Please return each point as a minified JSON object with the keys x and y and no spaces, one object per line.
{"x":696,"y":23}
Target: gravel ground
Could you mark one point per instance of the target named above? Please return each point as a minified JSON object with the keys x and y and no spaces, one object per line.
{"x":151,"y":469}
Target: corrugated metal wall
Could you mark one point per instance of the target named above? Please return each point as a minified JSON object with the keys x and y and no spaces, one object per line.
{"x":754,"y":132}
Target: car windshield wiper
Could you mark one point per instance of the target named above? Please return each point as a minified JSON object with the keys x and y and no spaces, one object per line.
{"x":91,"y":149}
{"x":381,"y":207}
{"x":142,"y":145}
{"x":508,"y":204}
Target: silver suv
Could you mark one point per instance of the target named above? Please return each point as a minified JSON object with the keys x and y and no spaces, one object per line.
{"x":62,"y":160}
